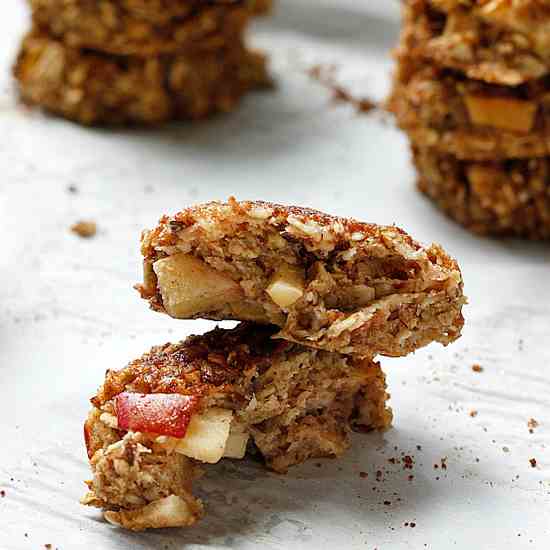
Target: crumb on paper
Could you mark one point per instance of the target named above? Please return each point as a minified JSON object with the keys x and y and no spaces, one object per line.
{"x":532,"y":424}
{"x":2,"y":493}
{"x":506,"y":449}
{"x":84,"y":228}
{"x":477,"y":368}
{"x":363,"y":475}
{"x":324,"y":74}
{"x":73,"y":189}
{"x":533,"y":462}
{"x":473,"y":413}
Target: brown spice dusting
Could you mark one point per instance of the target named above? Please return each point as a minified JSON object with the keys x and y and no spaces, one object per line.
{"x":363,"y":475}
{"x":473,"y":413}
{"x":325,"y":76}
{"x":533,"y":462}
{"x":408,"y":462}
{"x":477,"y":368}
{"x":85,"y":229}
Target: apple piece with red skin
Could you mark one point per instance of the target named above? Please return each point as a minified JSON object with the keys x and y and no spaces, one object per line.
{"x":158,"y":413}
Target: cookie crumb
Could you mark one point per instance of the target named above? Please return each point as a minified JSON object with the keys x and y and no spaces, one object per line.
{"x":473,"y":413}
{"x":477,"y":368}
{"x":84,"y":229}
{"x":532,"y":424}
{"x":363,"y":475}
{"x":325,"y":76}
{"x":533,"y":462}
{"x":2,"y":493}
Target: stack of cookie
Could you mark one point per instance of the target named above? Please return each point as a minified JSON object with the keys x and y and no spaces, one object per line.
{"x":138,"y":61}
{"x":319,"y":298}
{"x":472,"y":91}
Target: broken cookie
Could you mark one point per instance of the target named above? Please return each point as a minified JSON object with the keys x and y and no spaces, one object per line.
{"x":327,"y":282}
{"x":156,"y":422}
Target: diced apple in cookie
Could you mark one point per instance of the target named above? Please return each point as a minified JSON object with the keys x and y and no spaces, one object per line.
{"x":502,"y":112}
{"x":189,"y":286}
{"x":158,"y":413}
{"x":170,"y":511}
{"x":207,"y":436}
{"x":286,"y":285}
{"x":236,"y":442}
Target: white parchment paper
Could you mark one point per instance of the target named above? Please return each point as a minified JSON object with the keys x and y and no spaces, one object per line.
{"x":68,"y":312}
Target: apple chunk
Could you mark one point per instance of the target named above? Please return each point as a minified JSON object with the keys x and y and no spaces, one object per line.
{"x":237,"y":441}
{"x":157,"y":413}
{"x":189,"y":286}
{"x":502,"y":112}
{"x":207,"y":435}
{"x":287,"y":285}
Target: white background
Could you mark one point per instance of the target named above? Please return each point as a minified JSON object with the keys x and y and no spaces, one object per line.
{"x":68,"y":312}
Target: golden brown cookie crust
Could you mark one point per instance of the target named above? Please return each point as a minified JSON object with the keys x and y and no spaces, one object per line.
{"x":92,"y":88}
{"x":508,"y":198}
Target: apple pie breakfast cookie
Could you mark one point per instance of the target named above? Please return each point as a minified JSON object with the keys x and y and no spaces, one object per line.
{"x":509,"y":198}
{"x":327,"y":282}
{"x":498,"y":41}
{"x":155,"y":422}
{"x":93,"y":88}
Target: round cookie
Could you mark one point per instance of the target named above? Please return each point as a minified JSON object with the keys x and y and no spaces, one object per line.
{"x":504,"y":198}
{"x":92,"y":88}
